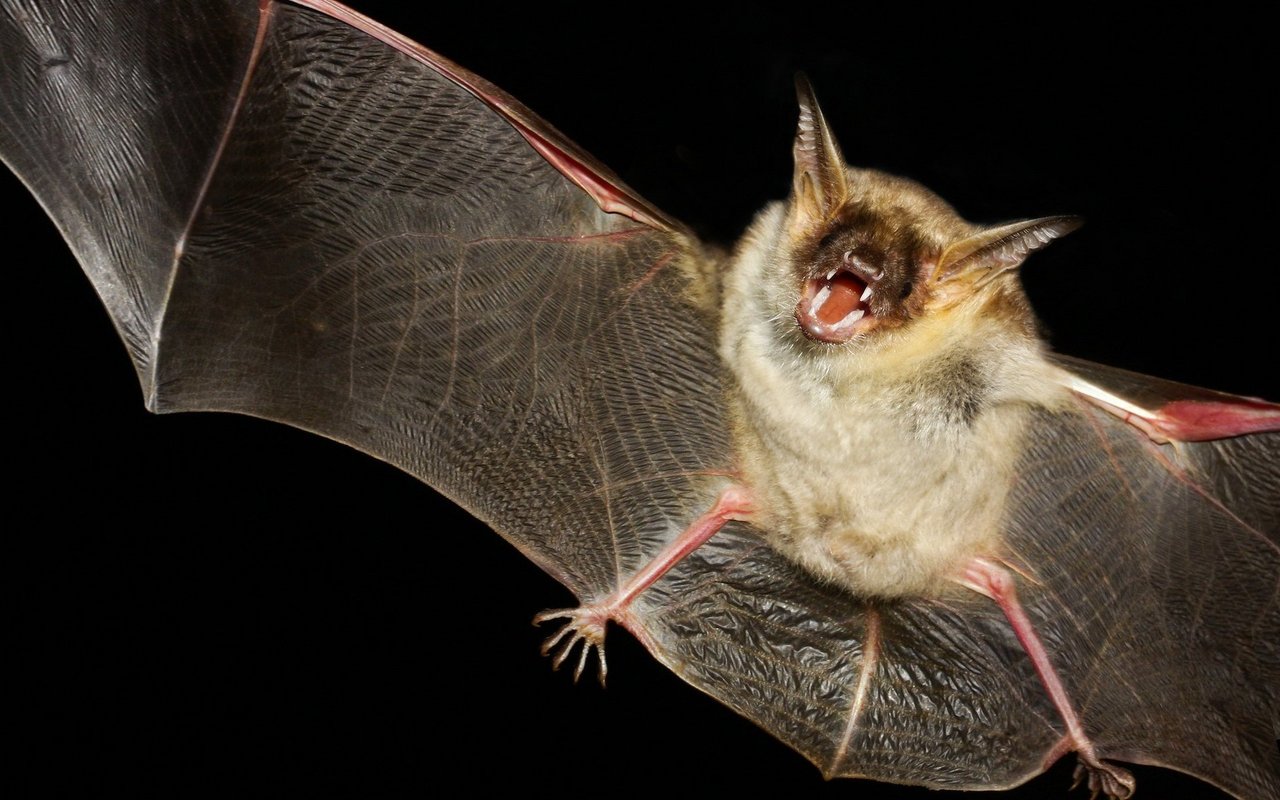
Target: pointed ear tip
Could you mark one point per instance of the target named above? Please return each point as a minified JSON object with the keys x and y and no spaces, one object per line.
{"x":1057,"y":225}
{"x":804,"y":91}
{"x":1068,"y":223}
{"x":805,"y":94}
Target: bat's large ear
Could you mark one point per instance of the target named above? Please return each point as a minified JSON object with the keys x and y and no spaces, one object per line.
{"x":820,"y":185}
{"x":990,"y":252}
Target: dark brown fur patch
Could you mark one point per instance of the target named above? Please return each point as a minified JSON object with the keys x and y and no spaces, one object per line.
{"x":891,"y":224}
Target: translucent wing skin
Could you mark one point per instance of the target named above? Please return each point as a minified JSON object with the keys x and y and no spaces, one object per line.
{"x":1152,"y":570}
{"x":582,"y":418}
{"x":290,"y":219}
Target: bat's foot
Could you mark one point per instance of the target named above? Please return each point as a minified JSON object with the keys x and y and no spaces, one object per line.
{"x":586,"y":624}
{"x":1104,"y":779}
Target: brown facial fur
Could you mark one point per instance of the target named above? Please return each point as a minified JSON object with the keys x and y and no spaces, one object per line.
{"x":891,"y":224}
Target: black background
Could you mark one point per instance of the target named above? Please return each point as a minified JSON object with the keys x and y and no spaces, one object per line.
{"x":214,"y":603}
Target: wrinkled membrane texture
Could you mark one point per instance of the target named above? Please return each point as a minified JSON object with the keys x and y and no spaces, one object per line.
{"x":360,"y":248}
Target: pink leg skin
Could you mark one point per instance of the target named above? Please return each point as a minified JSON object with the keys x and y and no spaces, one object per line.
{"x":994,"y":581}
{"x":587,"y":623}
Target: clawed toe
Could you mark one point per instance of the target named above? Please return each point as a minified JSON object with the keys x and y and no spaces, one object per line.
{"x":583,"y":625}
{"x":1104,"y":779}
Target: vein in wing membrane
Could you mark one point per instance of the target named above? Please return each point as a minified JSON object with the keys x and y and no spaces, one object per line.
{"x":1158,"y":605}
{"x":111,"y":117}
{"x":381,"y":258}
{"x":384,"y":260}
{"x":1180,"y":577}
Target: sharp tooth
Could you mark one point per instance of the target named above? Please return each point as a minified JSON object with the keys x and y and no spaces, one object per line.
{"x":831,"y":274}
{"x":818,"y":299}
{"x":853,"y":317}
{"x":865,"y":294}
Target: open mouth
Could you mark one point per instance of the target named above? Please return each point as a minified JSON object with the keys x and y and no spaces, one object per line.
{"x":835,"y":307}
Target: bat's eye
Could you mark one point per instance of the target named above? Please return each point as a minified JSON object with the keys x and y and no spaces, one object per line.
{"x":826,"y":240}
{"x":906,"y":289}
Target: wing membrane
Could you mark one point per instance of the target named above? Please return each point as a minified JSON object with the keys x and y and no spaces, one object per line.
{"x":336,"y":236}
{"x":290,"y":219}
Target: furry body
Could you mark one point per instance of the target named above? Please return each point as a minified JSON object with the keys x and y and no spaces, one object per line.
{"x":882,"y":464}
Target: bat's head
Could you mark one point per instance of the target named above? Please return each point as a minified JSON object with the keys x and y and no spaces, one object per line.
{"x":869,"y":254}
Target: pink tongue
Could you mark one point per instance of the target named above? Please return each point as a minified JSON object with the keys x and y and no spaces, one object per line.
{"x":845,"y":291}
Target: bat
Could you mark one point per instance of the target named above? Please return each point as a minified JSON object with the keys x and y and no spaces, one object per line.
{"x":615,"y":643}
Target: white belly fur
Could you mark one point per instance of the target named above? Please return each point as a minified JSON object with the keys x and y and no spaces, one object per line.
{"x":862,"y":471}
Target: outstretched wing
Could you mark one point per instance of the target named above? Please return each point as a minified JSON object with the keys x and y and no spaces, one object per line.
{"x":301,"y":220}
{"x":1176,"y":620}
{"x":1152,"y":572}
